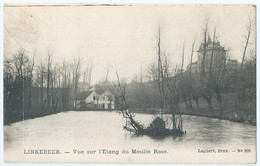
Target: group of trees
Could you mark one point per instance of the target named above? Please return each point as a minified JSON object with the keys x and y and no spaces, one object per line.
{"x":227,"y":89}
{"x":218,"y":89}
{"x":39,"y":88}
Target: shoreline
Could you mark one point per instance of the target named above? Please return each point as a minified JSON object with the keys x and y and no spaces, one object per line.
{"x":215,"y":116}
{"x":147,"y":111}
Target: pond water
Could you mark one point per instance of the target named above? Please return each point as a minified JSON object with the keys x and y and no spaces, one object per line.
{"x":98,"y":130}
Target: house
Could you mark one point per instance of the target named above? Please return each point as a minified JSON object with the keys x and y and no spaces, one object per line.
{"x":107,"y":100}
{"x":94,"y":99}
{"x":86,"y":99}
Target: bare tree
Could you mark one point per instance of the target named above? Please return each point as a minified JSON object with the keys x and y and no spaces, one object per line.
{"x":168,"y":83}
{"x":205,"y":47}
{"x":31,"y":81}
{"x":23,"y":69}
{"x":160,"y":71}
{"x":205,"y":89}
{"x":190,"y":70}
{"x":214,"y":77}
{"x":153,"y":72}
{"x":41,"y":70}
{"x":184,"y":86}
{"x":90,"y":73}
{"x":214,"y":40}
{"x":171,"y":81}
{"x":130,"y":125}
{"x":182,"y":61}
{"x":49,"y":75}
{"x":107,"y":72}
{"x":76,"y":73}
{"x":249,"y":29}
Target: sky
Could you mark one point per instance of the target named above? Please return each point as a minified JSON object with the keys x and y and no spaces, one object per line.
{"x":122,"y":37}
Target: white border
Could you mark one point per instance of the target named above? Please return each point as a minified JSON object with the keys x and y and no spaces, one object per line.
{"x":2,"y":2}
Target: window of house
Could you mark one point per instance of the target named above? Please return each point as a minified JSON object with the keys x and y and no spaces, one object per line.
{"x":94,"y":97}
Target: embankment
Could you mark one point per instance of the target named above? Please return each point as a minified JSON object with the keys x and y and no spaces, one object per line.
{"x":234,"y":109}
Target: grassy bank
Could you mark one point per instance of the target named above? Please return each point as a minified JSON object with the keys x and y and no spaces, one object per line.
{"x":234,"y":109}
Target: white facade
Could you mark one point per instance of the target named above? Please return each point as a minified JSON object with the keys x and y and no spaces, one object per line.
{"x":91,"y":99}
{"x":107,"y":100}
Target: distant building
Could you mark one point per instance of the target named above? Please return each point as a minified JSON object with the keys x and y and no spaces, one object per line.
{"x":94,"y":99}
{"x":215,"y":57}
{"x":215,"y":52}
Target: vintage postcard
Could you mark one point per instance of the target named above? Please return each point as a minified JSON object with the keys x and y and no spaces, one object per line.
{"x":129,"y":83}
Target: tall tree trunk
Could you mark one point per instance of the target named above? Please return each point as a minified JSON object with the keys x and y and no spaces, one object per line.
{"x":42,"y":102}
{"x":197,"y":103}
{"x":189,"y":83}
{"x":204,"y":50}
{"x":209,"y":102}
{"x":220,"y":101}
{"x":247,"y":40}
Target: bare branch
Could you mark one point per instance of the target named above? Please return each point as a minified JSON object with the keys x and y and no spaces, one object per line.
{"x":249,"y":29}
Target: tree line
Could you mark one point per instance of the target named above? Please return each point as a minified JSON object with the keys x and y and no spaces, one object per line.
{"x":216,"y":89}
{"x":35,"y":89}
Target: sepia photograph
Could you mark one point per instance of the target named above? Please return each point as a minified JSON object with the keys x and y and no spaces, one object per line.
{"x":129,"y":83}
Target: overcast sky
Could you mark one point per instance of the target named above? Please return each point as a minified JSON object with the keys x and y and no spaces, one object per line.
{"x":122,"y":36}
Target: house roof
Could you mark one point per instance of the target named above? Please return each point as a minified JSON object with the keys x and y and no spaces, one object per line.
{"x":99,"y":91}
{"x":83,"y":95}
